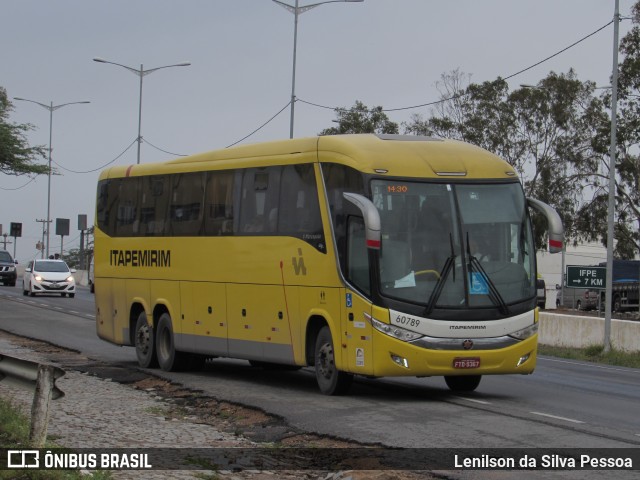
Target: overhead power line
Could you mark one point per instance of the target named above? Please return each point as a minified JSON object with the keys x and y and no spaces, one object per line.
{"x":261,"y":126}
{"x":18,"y":188}
{"x":453,"y":97}
{"x":102,"y":166}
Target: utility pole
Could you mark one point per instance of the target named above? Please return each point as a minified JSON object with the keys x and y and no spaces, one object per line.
{"x":45,"y":228}
{"x":5,"y":235}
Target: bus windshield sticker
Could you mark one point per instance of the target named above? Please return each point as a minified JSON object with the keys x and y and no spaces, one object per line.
{"x":405,"y":282}
{"x":478,"y":284}
{"x":359,"y":357}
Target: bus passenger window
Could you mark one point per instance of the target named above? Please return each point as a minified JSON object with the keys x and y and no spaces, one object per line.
{"x":186,"y":204}
{"x":154,"y":199}
{"x":260,"y":188}
{"x":300,"y":214}
{"x":218,"y":215}
{"x":107,"y":205}
{"x":126,"y":223}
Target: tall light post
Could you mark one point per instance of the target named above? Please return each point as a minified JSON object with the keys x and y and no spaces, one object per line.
{"x":612,"y":181}
{"x":141,"y":72}
{"x":296,"y":10}
{"x":51,"y":107}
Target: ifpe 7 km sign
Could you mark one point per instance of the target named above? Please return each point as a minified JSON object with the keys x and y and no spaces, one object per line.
{"x":586,"y":277}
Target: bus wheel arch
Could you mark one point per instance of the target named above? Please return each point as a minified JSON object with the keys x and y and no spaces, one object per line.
{"x":142,"y":337}
{"x":314,"y":325}
{"x":330,"y":379}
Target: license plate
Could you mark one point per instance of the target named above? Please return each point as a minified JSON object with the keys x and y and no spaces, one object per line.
{"x":466,"y":362}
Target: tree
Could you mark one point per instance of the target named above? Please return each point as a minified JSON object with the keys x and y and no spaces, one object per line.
{"x":360,"y":119}
{"x":546,"y":133}
{"x":16,"y":156}
{"x":627,"y":219}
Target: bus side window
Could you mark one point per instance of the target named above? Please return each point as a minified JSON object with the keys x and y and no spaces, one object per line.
{"x":185,"y":212}
{"x":107,"y":205}
{"x":260,"y":188}
{"x":300,"y":211}
{"x":126,"y":224}
{"x":218,"y":203}
{"x":153,"y":205}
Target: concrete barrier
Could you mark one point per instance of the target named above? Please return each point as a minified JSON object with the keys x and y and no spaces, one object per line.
{"x":561,"y":330}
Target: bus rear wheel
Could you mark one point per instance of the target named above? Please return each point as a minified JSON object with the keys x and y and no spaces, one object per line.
{"x":169,"y":359}
{"x":330,"y":380}
{"x":145,"y":343}
{"x":466,"y":383}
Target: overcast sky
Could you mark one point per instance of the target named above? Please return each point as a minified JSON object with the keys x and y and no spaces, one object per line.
{"x":381,"y":52}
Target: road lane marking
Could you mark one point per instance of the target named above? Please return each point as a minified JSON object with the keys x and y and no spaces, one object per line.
{"x":556,"y":417}
{"x":482,"y":402}
{"x":588,"y":364}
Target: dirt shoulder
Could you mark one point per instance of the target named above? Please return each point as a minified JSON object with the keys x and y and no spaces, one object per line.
{"x":201,"y":418}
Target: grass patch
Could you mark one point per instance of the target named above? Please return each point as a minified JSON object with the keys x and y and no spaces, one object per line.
{"x":14,"y":434}
{"x":595,"y":354}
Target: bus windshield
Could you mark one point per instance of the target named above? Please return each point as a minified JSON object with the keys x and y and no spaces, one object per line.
{"x":462,"y":245}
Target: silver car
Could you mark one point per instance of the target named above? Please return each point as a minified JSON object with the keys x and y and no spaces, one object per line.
{"x":48,"y":276}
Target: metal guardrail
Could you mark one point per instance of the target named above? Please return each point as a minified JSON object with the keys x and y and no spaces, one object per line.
{"x":39,"y":378}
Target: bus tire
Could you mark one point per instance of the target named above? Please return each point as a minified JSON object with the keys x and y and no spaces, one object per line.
{"x":330,"y":380}
{"x":465,"y":383}
{"x":169,"y":359}
{"x":145,"y":343}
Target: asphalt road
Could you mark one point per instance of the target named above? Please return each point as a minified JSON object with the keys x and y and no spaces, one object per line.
{"x":564,"y":404}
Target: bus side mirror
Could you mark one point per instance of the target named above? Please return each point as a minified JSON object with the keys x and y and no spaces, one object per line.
{"x":554,"y":222}
{"x":371,"y":218}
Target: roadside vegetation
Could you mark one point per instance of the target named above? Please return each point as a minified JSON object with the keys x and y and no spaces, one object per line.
{"x":595,"y":354}
{"x":14,"y":434}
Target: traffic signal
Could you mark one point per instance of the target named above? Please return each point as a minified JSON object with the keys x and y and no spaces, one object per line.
{"x":16,"y":229}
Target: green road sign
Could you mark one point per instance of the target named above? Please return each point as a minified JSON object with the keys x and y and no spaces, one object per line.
{"x":586,"y":277}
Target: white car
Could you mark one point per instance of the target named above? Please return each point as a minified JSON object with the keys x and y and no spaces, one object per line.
{"x":48,"y":276}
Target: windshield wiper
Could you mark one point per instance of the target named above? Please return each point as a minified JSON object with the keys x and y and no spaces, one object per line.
{"x":494,"y":294}
{"x":448,"y":266}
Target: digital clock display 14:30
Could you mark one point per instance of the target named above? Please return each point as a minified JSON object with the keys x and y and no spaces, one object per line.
{"x":397,"y":188}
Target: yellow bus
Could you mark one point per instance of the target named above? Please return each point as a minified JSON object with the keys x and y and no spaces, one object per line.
{"x":374,"y":255}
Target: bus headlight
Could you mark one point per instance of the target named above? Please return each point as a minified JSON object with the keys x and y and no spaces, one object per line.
{"x":525,"y":332}
{"x":395,"y":332}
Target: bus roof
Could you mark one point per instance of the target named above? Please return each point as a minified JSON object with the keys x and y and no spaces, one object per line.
{"x":393,"y":155}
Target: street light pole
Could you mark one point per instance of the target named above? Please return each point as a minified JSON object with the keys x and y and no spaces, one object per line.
{"x":612,"y":182}
{"x":296,"y":10}
{"x":141,"y":72}
{"x":51,"y":109}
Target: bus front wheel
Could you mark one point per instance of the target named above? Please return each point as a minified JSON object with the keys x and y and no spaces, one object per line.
{"x":144,"y":342}
{"x":330,"y":380}
{"x":466,"y":383}
{"x":169,"y":359}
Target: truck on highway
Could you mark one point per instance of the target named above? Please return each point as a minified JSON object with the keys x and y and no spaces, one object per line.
{"x":625,"y":295}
